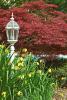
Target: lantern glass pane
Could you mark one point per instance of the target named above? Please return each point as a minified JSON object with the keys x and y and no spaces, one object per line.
{"x":16,"y":34}
{"x":12,"y":34}
{"x":9,"y":34}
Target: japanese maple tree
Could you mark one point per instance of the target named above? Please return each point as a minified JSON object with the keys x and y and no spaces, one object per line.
{"x":42,"y":27}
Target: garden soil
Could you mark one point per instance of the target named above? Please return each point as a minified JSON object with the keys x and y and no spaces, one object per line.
{"x":60,"y":94}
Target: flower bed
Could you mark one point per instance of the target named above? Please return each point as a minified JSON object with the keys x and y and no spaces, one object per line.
{"x":22,"y":80}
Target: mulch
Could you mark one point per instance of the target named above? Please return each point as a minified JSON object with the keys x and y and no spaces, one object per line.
{"x":60,"y":94}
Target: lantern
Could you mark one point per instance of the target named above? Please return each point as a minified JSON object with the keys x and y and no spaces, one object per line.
{"x":12,"y":32}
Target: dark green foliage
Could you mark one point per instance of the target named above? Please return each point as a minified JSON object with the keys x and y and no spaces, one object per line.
{"x":59,"y":71}
{"x":63,"y":7}
{"x":55,"y":1}
{"x":62,"y":4}
{"x":61,"y":75}
{"x":12,"y":3}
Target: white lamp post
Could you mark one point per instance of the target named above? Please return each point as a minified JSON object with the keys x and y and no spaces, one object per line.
{"x":12,"y":31}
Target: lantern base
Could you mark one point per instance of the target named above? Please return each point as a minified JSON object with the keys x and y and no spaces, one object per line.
{"x":12,"y":41}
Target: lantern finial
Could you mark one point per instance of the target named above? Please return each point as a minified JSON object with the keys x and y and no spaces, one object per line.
{"x":12,"y":18}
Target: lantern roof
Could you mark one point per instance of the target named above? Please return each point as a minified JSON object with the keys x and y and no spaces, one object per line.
{"x":12,"y":24}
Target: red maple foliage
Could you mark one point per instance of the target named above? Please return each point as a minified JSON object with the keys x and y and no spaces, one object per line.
{"x":42,"y":27}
